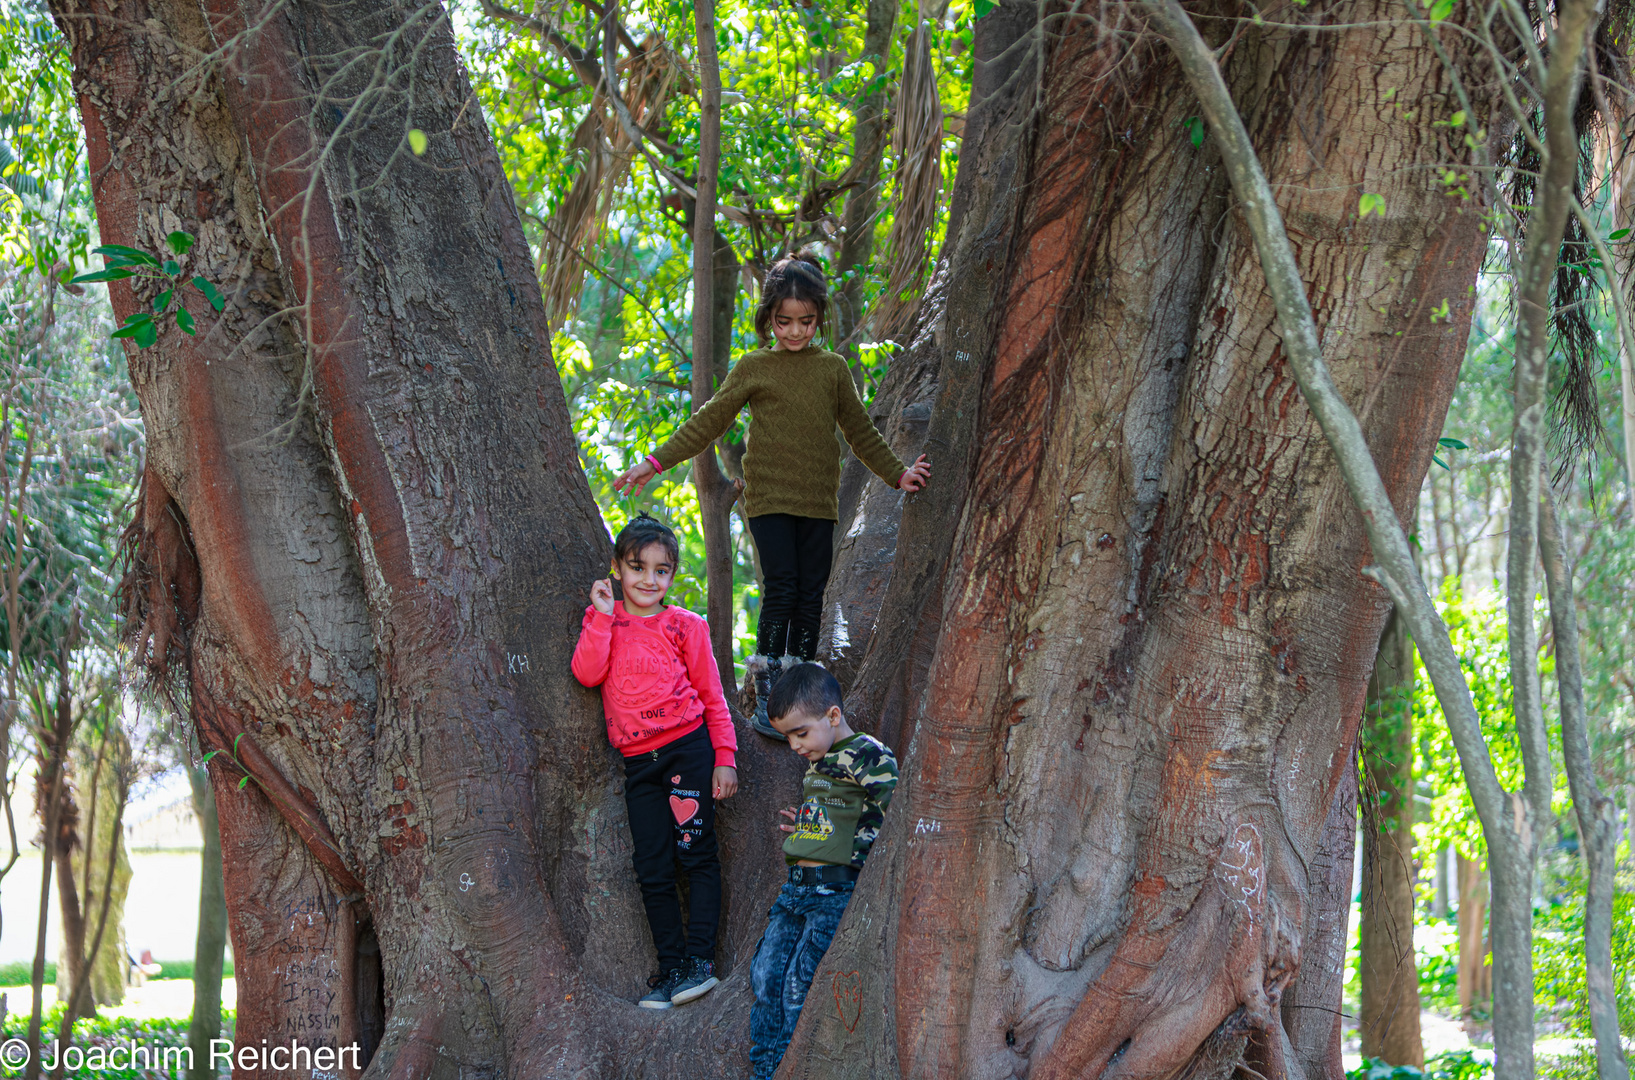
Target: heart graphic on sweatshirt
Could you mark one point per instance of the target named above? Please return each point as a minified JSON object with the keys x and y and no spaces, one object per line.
{"x":676,"y":779}
{"x":683,"y":809}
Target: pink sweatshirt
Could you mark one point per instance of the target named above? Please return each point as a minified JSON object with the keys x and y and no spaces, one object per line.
{"x":658,"y":679}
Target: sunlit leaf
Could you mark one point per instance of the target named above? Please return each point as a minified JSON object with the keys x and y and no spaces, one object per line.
{"x":180,"y":242}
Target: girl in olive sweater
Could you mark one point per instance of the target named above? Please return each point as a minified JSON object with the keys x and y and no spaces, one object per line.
{"x":796,"y":394}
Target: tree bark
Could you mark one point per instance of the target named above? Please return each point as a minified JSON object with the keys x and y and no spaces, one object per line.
{"x":1389,"y":1017}
{"x":1129,"y":739}
{"x":210,"y":942}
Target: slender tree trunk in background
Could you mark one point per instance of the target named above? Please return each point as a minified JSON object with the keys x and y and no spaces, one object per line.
{"x":58,"y":826}
{"x":106,"y":970}
{"x":210,"y":943}
{"x":857,"y":219}
{"x":715,"y":491}
{"x":1148,"y":672}
{"x":1439,"y":898}
{"x":1597,"y":814}
{"x":1623,"y":216}
{"x":1475,"y":976}
{"x":1389,"y":1017}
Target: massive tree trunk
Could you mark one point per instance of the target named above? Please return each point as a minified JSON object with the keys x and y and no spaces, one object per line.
{"x":1107,"y":856}
{"x":1389,"y":1018}
{"x":363,"y":547}
{"x":1122,"y":647}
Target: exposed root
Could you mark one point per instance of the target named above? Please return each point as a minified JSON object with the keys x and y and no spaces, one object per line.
{"x":1162,"y":1010}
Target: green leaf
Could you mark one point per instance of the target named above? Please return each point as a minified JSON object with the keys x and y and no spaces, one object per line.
{"x":123,"y":252}
{"x":180,"y":242}
{"x":1440,"y":462}
{"x":1441,"y":10}
{"x":172,"y":267}
{"x":206,"y":759}
{"x":1195,"y":129}
{"x":162,"y":301}
{"x":184,"y":320}
{"x":210,"y":293}
{"x":242,"y":781}
{"x":133,"y":324}
{"x":984,"y":6}
{"x":1619,"y":235}
{"x":1452,"y":444}
{"x":101,"y":275}
{"x":1370,"y":203}
{"x":146,"y":334}
{"x":417,"y":141}
{"x":1457,"y":119}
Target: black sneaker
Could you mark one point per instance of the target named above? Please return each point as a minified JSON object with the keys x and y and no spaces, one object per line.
{"x":663,"y":989}
{"x":699,"y":980}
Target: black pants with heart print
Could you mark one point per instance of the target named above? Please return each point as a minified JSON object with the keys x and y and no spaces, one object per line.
{"x":672,"y":822}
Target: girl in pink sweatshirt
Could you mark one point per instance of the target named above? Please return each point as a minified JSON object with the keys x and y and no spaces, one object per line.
{"x":666,"y":714}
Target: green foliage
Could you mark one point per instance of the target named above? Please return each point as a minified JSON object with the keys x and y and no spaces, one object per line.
{"x":45,"y":206}
{"x":108,"y":1032}
{"x":1477,"y":625}
{"x":1558,"y":959}
{"x":21,"y":972}
{"x":1453,"y":1065}
{"x":122,"y":262}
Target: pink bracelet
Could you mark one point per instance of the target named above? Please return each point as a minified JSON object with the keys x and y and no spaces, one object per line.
{"x":658,"y":467}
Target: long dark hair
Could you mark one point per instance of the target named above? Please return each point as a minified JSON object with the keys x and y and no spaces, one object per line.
{"x":793,"y":277}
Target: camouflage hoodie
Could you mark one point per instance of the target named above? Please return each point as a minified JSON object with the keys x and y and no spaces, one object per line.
{"x":843,"y":803}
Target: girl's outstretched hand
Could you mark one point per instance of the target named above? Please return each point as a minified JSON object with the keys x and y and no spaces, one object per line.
{"x":916,"y":475}
{"x":793,"y":815}
{"x":635,"y":478}
{"x":601,"y":596}
{"x":724,"y":782}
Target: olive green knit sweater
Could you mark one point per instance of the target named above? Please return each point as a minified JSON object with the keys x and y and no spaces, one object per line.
{"x":792,"y":458}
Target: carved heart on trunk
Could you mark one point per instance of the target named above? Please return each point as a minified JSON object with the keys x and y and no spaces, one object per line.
{"x":848,"y":987}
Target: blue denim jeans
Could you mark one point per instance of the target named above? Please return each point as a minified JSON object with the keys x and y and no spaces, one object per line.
{"x":799,"y":928}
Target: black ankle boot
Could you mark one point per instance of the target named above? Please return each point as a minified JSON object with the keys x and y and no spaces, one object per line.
{"x":766,"y":670}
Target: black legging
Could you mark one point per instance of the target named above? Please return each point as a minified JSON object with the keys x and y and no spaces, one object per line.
{"x":795,"y":556}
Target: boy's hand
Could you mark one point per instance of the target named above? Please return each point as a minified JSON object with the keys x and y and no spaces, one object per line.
{"x":601,"y":596}
{"x":725,"y":782}
{"x":793,"y":815}
{"x":916,"y":475}
{"x":635,"y":478}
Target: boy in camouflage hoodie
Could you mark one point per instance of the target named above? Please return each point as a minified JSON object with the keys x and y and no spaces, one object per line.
{"x":844,"y":797}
